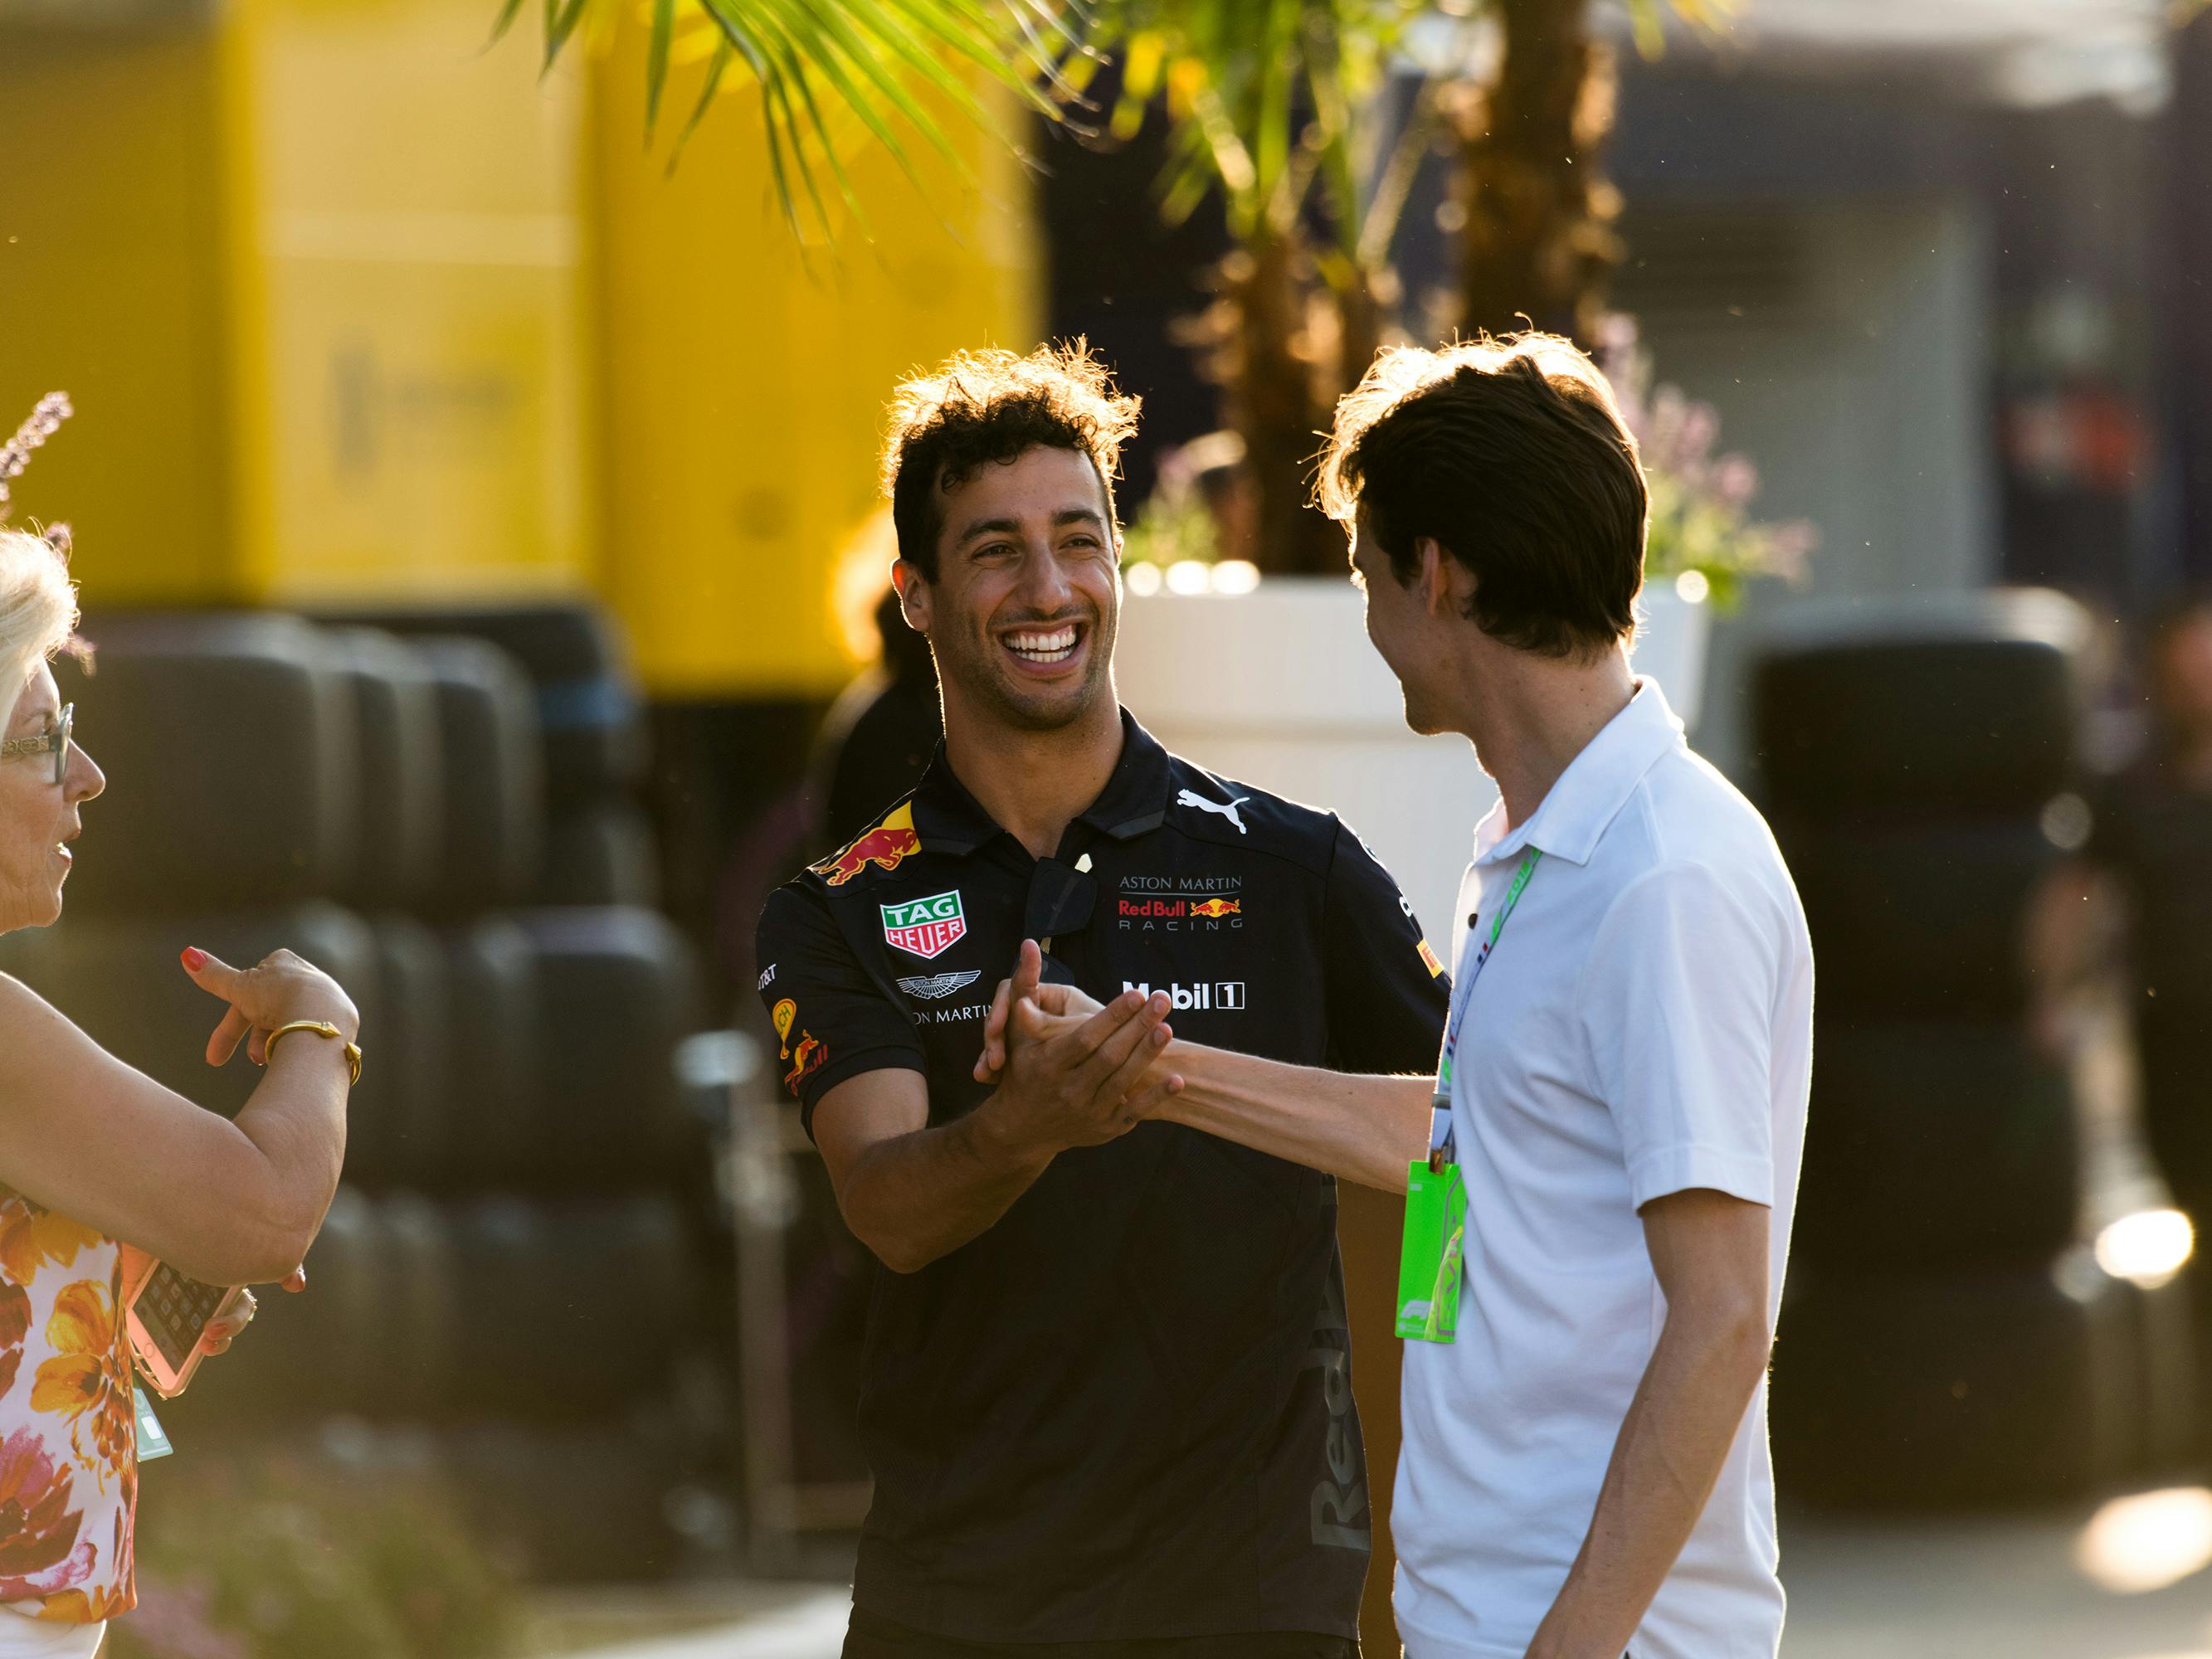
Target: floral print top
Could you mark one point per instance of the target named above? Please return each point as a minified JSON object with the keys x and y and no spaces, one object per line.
{"x":69,"y":1441}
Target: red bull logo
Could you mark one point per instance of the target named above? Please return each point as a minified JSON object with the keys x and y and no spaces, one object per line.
{"x":1179,"y":909}
{"x":884,"y":846}
{"x":809,"y":1057}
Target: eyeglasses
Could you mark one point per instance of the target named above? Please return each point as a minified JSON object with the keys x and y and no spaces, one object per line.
{"x":54,"y":741}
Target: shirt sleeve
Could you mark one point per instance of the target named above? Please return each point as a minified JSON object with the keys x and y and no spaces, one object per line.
{"x":1677,"y":1009}
{"x":832,"y":1022}
{"x":1388,"y":992}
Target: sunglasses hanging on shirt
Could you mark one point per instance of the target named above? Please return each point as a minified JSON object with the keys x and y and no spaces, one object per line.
{"x":1061,"y":899}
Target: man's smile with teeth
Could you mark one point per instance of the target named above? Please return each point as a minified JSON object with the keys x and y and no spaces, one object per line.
{"x":1043,"y":647}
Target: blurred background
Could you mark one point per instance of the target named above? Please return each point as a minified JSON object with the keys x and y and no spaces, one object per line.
{"x":473,"y":492}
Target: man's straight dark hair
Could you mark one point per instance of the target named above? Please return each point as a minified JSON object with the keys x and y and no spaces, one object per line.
{"x":1512,"y":455}
{"x":995,"y":406}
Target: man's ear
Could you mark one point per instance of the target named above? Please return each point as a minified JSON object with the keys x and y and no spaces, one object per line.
{"x":915,"y":594}
{"x":1439,"y":579}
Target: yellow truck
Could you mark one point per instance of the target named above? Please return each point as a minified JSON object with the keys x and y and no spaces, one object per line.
{"x":359,"y":308}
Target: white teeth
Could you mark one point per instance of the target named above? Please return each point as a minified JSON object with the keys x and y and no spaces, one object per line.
{"x":1043,"y":647}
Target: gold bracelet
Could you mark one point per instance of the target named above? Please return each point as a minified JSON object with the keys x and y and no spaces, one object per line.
{"x":321,"y":1028}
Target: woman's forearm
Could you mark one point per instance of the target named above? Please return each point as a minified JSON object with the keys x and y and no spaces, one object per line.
{"x":296,"y":1121}
{"x":1365,"y":1129}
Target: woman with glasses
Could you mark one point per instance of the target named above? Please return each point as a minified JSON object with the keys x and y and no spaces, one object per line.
{"x":99,"y":1162}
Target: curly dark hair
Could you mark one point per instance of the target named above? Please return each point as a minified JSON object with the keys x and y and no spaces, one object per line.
{"x":1512,"y":455}
{"x":986,"y":406}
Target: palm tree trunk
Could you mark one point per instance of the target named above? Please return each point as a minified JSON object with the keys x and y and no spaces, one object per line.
{"x":1359,"y":313}
{"x":1538,"y":245}
{"x":1272,"y":406}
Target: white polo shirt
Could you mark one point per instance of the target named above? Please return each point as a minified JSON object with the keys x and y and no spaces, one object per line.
{"x":1644,"y":1025}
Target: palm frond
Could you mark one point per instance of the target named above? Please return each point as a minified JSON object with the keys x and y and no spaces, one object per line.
{"x":561,"y":17}
{"x":1048,"y":35}
{"x":724,"y":51}
{"x":508,"y":11}
{"x":1648,"y":21}
{"x":656,"y":61}
{"x":1275,"y":86}
{"x":892,"y":68}
{"x":835,"y":42}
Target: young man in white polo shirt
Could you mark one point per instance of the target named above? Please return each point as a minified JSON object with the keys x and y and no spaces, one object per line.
{"x":1585,"y":1469}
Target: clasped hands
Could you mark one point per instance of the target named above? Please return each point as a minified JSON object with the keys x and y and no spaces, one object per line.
{"x":1076,"y":1073}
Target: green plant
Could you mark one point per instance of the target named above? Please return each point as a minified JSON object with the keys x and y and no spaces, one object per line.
{"x":832,"y":73}
{"x":280,"y":1558}
{"x":1701,"y":525}
{"x":1535,"y":209}
{"x":1274,"y":105}
{"x":1173,"y":527}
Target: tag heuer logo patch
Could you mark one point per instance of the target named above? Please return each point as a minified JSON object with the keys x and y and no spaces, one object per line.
{"x":926,"y":926}
{"x":933,"y":986}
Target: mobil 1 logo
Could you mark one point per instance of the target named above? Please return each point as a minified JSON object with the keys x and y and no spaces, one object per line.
{"x":1217,"y":996}
{"x":926,"y":927}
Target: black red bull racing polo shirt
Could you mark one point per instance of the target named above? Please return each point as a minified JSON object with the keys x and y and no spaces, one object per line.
{"x":1124,"y":1410}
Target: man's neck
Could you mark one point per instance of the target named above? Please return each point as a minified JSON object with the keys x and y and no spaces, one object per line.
{"x":1529,"y":716}
{"x":1033,"y":784}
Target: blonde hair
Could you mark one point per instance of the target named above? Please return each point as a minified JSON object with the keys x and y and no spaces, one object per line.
{"x":38,"y":611}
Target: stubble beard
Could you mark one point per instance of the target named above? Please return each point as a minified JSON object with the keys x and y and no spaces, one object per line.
{"x":988,"y":687}
{"x":1414,"y":699}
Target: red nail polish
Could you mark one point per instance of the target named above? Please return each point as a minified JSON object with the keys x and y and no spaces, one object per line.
{"x":193,"y":957}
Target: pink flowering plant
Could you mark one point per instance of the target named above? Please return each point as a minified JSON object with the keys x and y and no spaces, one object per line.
{"x":45,"y":421}
{"x":289,"y":1554}
{"x":1701,"y":522}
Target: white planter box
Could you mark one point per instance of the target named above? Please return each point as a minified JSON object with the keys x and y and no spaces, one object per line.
{"x":1279,"y":688}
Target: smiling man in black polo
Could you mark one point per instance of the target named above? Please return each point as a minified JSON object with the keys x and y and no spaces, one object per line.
{"x":1106,"y":1392}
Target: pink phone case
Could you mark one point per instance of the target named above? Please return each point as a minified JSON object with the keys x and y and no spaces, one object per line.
{"x":166,"y":1316}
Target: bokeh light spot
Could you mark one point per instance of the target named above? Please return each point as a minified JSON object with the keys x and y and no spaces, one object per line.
{"x":2147,"y":1247}
{"x":2147,"y":1541}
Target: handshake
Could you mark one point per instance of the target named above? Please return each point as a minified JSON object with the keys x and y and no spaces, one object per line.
{"x":1069,"y":1072}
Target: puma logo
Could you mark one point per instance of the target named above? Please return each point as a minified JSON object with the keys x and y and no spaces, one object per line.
{"x":1226,"y":810}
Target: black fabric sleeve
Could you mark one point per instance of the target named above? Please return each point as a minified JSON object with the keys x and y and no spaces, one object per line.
{"x":832,"y":1022}
{"x":1388,"y":992}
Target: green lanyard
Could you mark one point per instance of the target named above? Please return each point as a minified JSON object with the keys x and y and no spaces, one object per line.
{"x":1440,"y":1122}
{"x":1435,"y":1199}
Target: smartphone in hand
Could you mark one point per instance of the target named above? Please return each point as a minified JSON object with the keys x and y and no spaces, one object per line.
{"x":167,"y":1314}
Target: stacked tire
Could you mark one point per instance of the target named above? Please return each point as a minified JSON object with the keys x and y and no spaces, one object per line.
{"x":1949,"y":1336}
{"x":508,"y":1261}
{"x":598,"y":845}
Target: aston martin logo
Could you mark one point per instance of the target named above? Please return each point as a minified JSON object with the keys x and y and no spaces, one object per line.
{"x":933,"y":986}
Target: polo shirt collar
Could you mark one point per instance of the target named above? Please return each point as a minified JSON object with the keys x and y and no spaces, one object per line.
{"x":1133,"y":802}
{"x":1579,"y":808}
